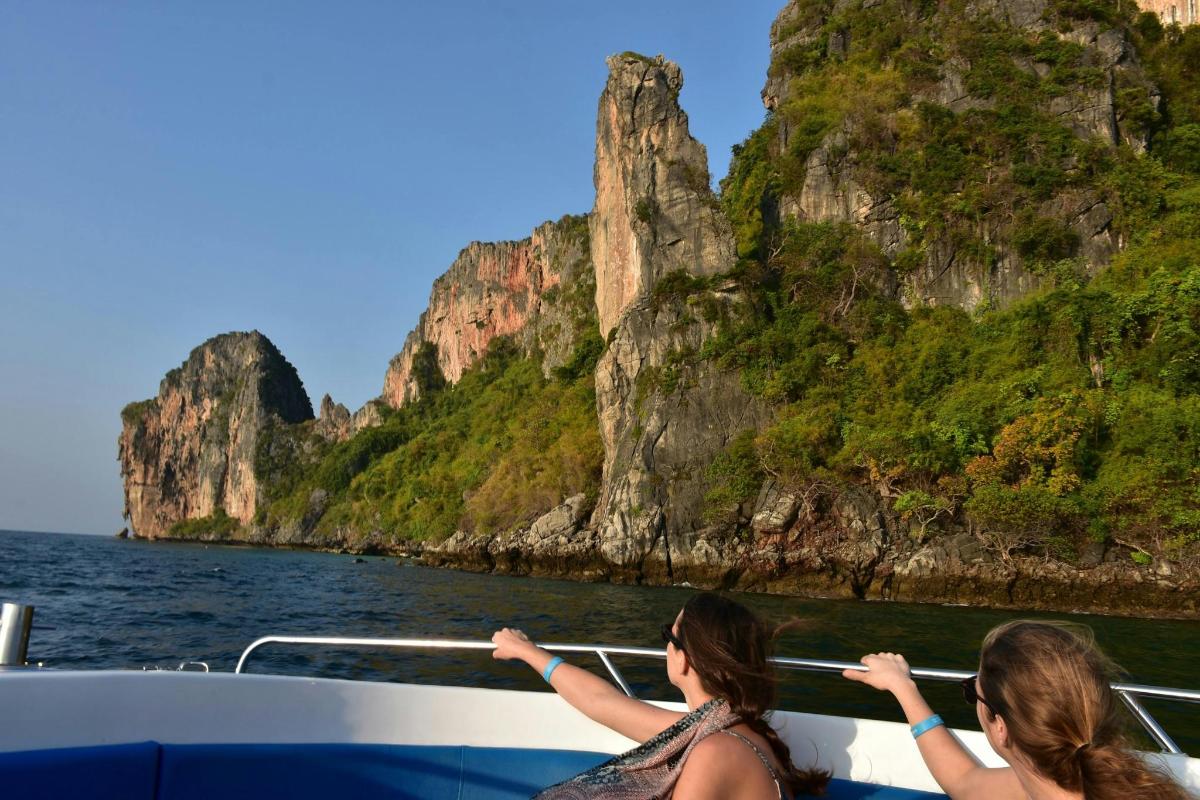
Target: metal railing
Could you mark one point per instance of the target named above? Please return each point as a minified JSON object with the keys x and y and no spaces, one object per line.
{"x":1128,"y":692}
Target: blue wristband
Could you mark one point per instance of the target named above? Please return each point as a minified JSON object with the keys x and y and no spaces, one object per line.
{"x":926,"y":725}
{"x":549,"y":670}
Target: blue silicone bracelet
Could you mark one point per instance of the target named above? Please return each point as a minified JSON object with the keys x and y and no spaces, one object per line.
{"x":926,"y":725}
{"x":549,"y":670}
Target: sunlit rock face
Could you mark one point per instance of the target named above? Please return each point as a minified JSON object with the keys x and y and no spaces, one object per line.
{"x":655,"y":212}
{"x":190,"y":451}
{"x":496,"y":289}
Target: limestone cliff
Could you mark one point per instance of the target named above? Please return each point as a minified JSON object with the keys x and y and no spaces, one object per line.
{"x":1065,"y":67}
{"x":190,"y":451}
{"x":496,"y":289}
{"x":664,"y":413}
{"x":901,"y":117}
{"x":654,"y":211}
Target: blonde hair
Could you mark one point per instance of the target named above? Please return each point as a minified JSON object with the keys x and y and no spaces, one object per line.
{"x":1050,"y":684}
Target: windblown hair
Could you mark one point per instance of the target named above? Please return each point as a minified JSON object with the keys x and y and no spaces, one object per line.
{"x":728,"y":646}
{"x":1050,"y":684}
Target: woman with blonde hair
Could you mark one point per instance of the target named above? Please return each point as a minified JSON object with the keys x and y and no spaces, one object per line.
{"x":723,"y":748}
{"x":1044,"y":701}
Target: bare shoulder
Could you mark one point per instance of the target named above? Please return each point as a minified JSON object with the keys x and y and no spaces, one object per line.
{"x":723,"y":767}
{"x":992,"y":783}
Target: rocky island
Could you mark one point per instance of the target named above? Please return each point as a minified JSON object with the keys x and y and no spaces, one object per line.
{"x":932,"y":339}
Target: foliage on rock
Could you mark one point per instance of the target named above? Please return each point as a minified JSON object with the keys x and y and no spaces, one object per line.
{"x":1064,"y":416}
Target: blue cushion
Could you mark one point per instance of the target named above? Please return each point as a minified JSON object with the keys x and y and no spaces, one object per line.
{"x":492,"y":773}
{"x":320,"y":771}
{"x":314,"y":771}
{"x":106,"y":772}
{"x":839,"y":789}
{"x":301,"y":771}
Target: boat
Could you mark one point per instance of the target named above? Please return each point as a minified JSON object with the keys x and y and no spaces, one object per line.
{"x":191,"y":733}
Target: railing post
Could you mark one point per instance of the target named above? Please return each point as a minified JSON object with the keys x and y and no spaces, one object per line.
{"x":612,"y":670}
{"x":1165,"y":742}
{"x":15,"y":622}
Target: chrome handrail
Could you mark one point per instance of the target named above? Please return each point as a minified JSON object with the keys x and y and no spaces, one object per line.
{"x":1128,"y":692}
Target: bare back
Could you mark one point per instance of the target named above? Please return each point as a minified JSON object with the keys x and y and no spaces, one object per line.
{"x":736,"y":763}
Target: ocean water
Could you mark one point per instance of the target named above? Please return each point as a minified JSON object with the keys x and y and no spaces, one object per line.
{"x":107,"y":603}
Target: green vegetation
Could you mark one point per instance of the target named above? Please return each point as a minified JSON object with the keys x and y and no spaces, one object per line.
{"x":494,"y":451}
{"x":1072,"y":415}
{"x":631,"y":55}
{"x":217,"y":525}
{"x":646,"y":210}
{"x":133,"y":414}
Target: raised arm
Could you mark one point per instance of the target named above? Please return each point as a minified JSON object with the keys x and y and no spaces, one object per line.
{"x":594,"y":696}
{"x":955,"y":769}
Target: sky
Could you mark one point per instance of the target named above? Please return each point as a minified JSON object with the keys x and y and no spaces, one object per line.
{"x":173,"y":171}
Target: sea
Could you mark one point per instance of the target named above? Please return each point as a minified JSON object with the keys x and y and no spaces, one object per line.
{"x":106,"y":603}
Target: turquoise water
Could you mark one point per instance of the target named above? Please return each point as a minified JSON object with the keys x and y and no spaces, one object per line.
{"x":129,"y":604}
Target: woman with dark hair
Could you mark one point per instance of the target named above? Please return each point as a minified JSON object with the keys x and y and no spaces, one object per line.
{"x":1044,"y":701}
{"x":717,"y":653}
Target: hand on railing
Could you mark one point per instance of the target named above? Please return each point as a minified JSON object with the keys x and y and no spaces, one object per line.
{"x":511,"y":643}
{"x":887,"y":672}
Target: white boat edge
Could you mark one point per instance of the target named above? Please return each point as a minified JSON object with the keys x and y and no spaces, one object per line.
{"x":52,"y":709}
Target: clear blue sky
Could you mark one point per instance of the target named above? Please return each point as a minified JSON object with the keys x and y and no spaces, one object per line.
{"x":171,"y":171}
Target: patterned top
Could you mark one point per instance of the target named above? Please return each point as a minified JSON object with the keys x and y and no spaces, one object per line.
{"x":650,"y":770}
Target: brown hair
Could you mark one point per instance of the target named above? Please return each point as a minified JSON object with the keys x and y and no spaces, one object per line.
{"x":728,"y":646}
{"x":1050,"y":684}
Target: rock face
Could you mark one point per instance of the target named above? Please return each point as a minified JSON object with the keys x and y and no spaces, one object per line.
{"x":664,"y":414}
{"x":190,"y":451}
{"x":491,"y":290}
{"x":654,"y":212}
{"x":845,"y":544}
{"x":558,"y":543}
{"x":850,"y":543}
{"x":836,"y":183}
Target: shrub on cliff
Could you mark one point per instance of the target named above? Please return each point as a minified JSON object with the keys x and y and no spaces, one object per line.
{"x":133,"y":413}
{"x":217,"y":525}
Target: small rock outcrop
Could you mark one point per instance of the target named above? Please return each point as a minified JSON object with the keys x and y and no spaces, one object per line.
{"x":190,"y":451}
{"x":495,"y":289}
{"x":557,"y":543}
{"x":655,"y":212}
{"x":334,"y":421}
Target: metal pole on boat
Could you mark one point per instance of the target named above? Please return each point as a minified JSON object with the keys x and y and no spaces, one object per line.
{"x":15,"y":622}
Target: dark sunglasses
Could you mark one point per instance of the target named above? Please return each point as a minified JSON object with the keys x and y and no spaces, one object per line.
{"x":669,"y":636}
{"x":972,"y":697}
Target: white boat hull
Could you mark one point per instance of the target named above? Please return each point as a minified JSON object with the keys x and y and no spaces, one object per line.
{"x":53,"y":709}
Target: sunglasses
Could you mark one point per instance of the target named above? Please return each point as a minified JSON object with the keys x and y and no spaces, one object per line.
{"x":669,"y":636}
{"x":972,"y":696}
